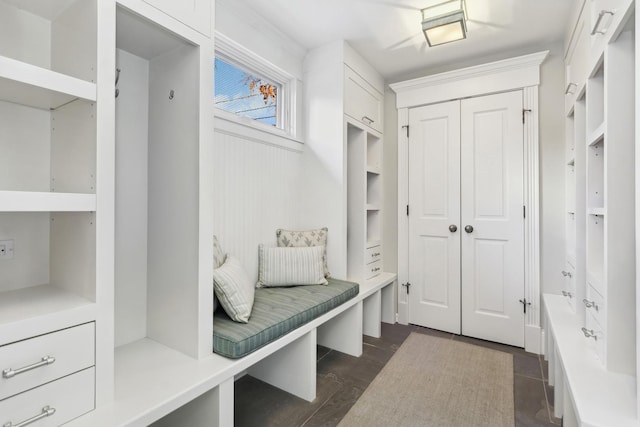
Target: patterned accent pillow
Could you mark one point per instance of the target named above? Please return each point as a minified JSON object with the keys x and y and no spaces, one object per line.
{"x":305,"y":238}
{"x":234,"y":289}
{"x":290,"y":266}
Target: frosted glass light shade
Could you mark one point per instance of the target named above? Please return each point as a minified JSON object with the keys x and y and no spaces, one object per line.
{"x":444,"y":22}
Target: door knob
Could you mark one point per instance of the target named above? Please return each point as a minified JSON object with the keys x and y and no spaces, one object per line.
{"x":468,"y":229}
{"x":453,"y":228}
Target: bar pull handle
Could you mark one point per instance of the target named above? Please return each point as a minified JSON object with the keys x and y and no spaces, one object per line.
{"x":373,"y":255}
{"x":590,"y":304}
{"x":596,"y":27}
{"x":567,"y":274}
{"x":589,"y":333}
{"x":571,"y":88}
{"x":367,"y":119}
{"x":46,"y":412}
{"x":10,"y":373}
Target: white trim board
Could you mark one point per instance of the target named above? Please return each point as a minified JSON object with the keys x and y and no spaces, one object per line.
{"x":500,"y":76}
{"x":522,"y":73}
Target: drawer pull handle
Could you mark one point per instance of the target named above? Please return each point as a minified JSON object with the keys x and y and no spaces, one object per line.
{"x":46,"y":412}
{"x":10,"y":373}
{"x":600,"y":16}
{"x":567,"y":274}
{"x":375,"y":254}
{"x":590,"y":304}
{"x":589,"y":333}
{"x":571,"y":89}
{"x":375,"y":269}
{"x":567,"y":294}
{"x":367,"y":119}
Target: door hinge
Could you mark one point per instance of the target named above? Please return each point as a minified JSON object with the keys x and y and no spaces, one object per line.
{"x":524,"y":211}
{"x":407,"y":210}
{"x":407,"y":128}
{"x":524,"y":110}
{"x":524,"y":303}
{"x":407,"y":286}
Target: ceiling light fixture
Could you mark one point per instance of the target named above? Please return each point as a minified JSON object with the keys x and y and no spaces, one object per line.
{"x":444,"y":22}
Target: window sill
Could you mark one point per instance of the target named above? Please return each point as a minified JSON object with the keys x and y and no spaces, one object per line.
{"x":242,"y":127}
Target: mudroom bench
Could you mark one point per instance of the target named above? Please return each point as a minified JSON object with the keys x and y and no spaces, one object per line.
{"x":155,"y":384}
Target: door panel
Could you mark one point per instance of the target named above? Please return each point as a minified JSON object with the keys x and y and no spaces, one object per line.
{"x":492,"y":203}
{"x":434,"y":194}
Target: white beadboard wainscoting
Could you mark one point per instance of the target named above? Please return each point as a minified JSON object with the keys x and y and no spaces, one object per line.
{"x":257,"y":190}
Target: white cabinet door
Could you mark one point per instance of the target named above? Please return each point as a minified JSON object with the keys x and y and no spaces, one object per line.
{"x":492,"y":186}
{"x":362,"y":101}
{"x":434,"y":199}
{"x":194,"y":13}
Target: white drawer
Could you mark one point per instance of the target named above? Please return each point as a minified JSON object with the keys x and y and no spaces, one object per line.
{"x":598,"y":341}
{"x":594,"y":303}
{"x":73,"y":350}
{"x":362,"y":101}
{"x":65,"y":399}
{"x":373,"y":269}
{"x":373,"y":254}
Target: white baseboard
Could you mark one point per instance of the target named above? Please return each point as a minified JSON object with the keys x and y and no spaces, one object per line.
{"x":533,"y":339}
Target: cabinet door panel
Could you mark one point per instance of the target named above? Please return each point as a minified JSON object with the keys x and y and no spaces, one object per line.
{"x":362,"y":101}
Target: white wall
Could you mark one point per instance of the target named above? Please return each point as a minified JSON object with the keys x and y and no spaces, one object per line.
{"x":256,"y":174}
{"x":132,"y":118}
{"x":551,"y":104}
{"x":552,"y":168}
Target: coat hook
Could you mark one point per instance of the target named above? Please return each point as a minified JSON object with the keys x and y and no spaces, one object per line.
{"x":171,"y":93}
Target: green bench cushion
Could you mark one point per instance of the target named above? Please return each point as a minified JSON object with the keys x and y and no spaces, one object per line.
{"x":277,"y":311}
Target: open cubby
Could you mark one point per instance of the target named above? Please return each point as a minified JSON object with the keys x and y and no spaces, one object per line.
{"x":374,"y":189}
{"x":374,"y":153}
{"x":157,"y":289}
{"x":374,"y":226}
{"x":55,"y":35}
{"x":53,"y":263}
{"x":595,"y":99}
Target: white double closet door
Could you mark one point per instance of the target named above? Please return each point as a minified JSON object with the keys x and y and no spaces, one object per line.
{"x":466,"y":221}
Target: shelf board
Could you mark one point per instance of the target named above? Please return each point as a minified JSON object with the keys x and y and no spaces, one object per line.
{"x":37,"y":307}
{"x":597,"y":211}
{"x":38,"y":87}
{"x":374,"y":170}
{"x":34,"y":201}
{"x":373,"y":207}
{"x":373,"y":243}
{"x":600,"y":397}
{"x":597,"y":135}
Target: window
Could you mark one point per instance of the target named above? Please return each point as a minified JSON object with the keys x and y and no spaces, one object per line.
{"x":245,"y":94}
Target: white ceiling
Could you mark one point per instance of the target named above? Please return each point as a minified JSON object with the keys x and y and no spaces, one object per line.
{"x":387,"y":33}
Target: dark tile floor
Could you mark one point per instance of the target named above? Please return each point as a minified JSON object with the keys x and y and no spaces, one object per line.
{"x":342,"y":379}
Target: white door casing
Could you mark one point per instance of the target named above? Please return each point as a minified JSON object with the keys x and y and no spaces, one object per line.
{"x":518,"y":73}
{"x":492,"y":187}
{"x":434,"y":264}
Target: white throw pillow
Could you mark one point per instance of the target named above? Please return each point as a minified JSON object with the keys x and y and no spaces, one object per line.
{"x":234,"y":289}
{"x":291,"y":266}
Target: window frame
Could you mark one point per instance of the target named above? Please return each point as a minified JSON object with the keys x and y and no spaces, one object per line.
{"x":241,"y":57}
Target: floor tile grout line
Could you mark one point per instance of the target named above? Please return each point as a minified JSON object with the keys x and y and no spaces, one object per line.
{"x":325,"y":355}
{"x":321,"y":406}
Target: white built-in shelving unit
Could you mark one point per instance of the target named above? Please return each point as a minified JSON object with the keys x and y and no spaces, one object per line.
{"x":592,"y":341}
{"x":51,"y":192}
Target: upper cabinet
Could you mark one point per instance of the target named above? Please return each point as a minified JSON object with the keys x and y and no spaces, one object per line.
{"x":195,"y":13}
{"x":362,"y":101}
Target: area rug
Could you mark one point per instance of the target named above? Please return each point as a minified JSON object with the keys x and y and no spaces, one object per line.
{"x":439,"y":382}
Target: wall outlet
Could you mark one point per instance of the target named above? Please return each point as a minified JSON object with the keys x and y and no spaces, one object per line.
{"x":6,"y":249}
